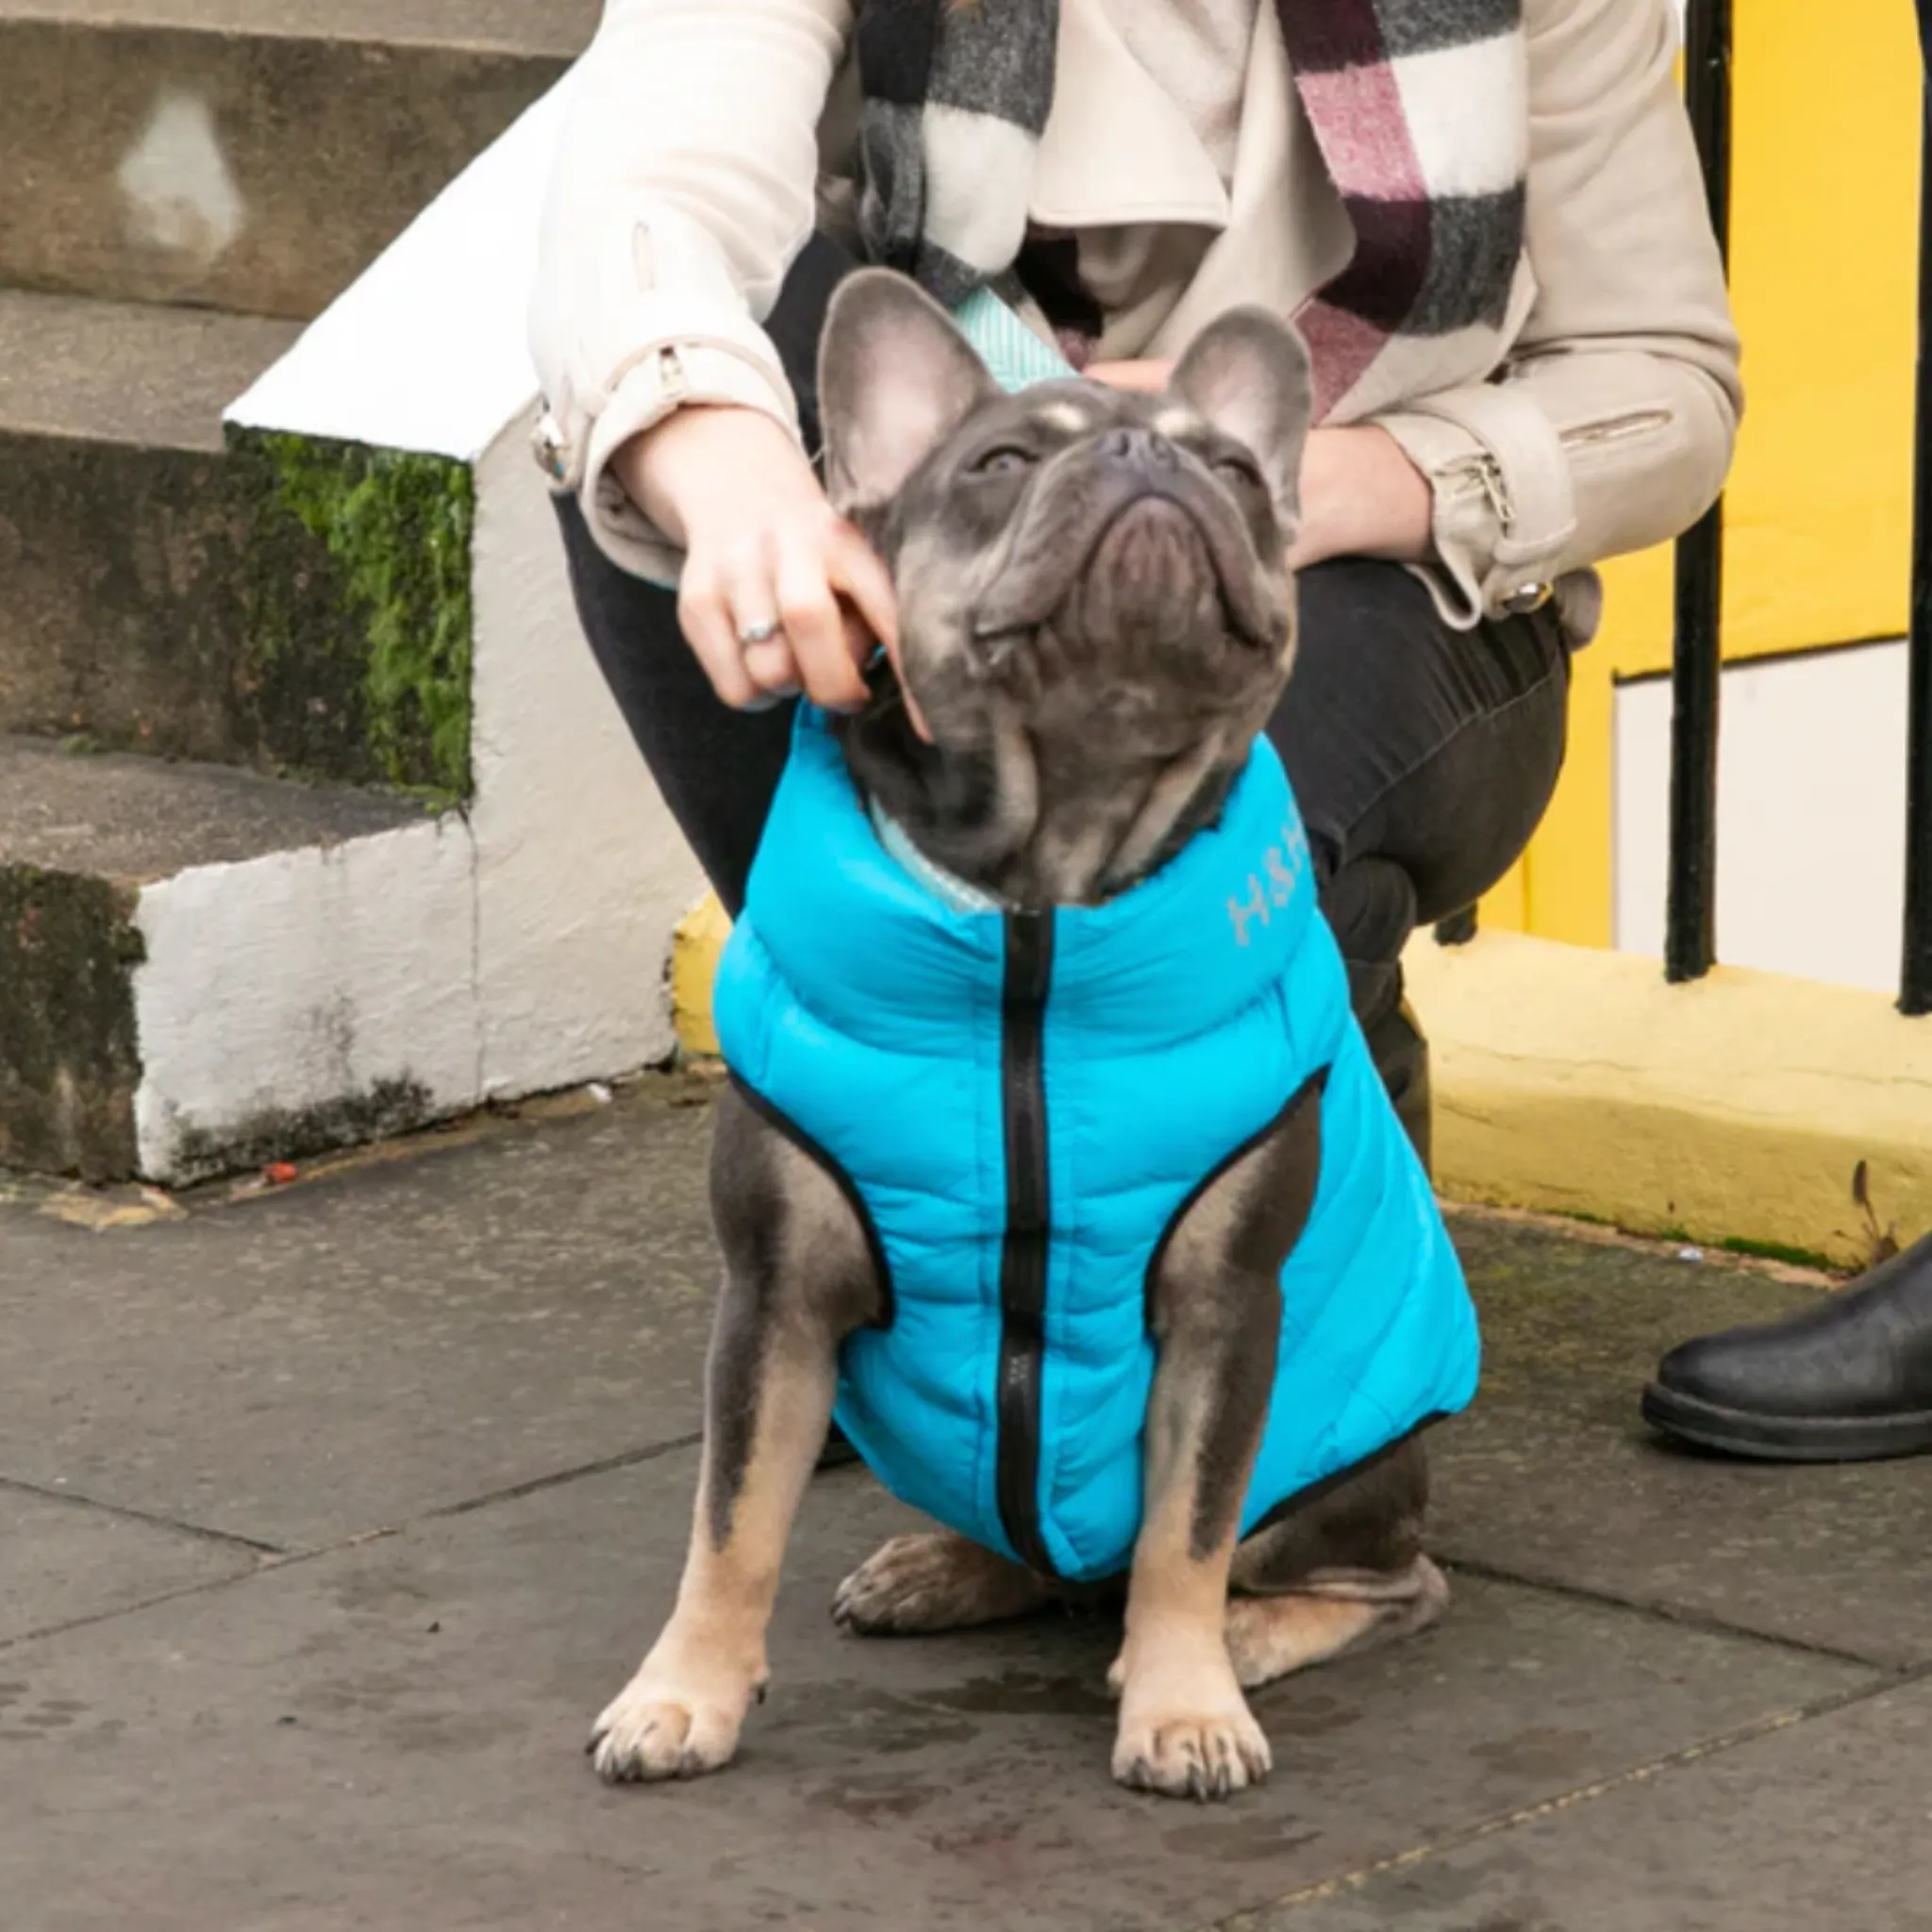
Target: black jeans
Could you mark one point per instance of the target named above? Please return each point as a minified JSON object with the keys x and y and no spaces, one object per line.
{"x":1422,"y":756}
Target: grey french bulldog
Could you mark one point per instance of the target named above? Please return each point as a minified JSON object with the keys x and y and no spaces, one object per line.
{"x":1051,"y":1152}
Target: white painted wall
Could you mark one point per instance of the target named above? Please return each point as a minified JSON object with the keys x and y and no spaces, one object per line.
{"x":581,"y":873}
{"x":1811,"y":802}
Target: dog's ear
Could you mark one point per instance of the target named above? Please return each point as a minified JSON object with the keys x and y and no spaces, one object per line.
{"x":895,"y":380}
{"x":1248,"y":375}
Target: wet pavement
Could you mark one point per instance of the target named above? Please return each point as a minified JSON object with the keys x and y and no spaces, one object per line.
{"x":329,"y":1518}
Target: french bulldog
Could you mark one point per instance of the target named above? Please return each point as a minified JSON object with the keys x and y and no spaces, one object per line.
{"x":1097,"y":620}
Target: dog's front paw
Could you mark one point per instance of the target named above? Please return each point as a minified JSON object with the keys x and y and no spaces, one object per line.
{"x":667,"y":1724}
{"x":1186,"y":1731}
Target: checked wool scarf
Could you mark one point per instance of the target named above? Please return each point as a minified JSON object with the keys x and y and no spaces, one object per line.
{"x":1419,"y":108}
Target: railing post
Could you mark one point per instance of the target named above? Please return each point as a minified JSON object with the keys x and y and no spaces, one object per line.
{"x":1691,"y":924}
{"x":1915,"y":980}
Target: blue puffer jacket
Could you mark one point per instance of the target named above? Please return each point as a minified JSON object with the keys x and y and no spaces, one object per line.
{"x":1024,"y":1102}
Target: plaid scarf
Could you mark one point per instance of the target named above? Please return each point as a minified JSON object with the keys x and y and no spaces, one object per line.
{"x":1419,"y":106}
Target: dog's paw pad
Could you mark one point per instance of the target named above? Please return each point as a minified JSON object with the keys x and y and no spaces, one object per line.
{"x":650,"y":1733}
{"x":1204,"y":1758}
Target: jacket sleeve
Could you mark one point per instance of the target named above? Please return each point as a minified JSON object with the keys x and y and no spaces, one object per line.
{"x":1612,"y":425}
{"x":683,"y":187}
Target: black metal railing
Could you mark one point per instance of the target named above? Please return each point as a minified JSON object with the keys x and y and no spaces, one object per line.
{"x":1696,"y":651}
{"x":1689,"y":947}
{"x":1915,"y":983}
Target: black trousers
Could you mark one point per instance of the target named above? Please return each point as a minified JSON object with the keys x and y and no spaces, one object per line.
{"x":1422,"y":756}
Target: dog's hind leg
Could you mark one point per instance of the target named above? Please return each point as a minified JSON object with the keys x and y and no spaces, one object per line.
{"x":916,"y":1585}
{"x":1341,"y":1572}
{"x":799,"y":1276}
{"x":1215,"y":1307}
{"x":1270,"y":1636}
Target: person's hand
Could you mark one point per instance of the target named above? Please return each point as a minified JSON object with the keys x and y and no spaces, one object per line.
{"x":778,"y":593}
{"x":1360,"y":495}
{"x":1150,"y":378}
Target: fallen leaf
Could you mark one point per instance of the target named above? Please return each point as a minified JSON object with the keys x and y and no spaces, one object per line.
{"x":102,"y":1212}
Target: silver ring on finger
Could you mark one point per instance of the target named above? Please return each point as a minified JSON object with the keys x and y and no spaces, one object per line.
{"x":761,"y":632}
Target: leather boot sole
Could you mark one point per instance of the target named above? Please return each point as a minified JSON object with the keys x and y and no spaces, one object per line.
{"x":1786,"y":1438}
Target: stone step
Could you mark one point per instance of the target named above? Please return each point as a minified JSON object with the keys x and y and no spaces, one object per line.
{"x":249,"y":155}
{"x":163,"y":594}
{"x":118,"y":548}
{"x":84,"y":840}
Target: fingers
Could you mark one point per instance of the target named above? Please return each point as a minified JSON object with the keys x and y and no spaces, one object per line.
{"x":856,"y":574}
{"x":814,"y":626}
{"x":705,"y":616}
{"x":770,"y":666}
{"x":763,"y":641}
{"x":866,"y":584}
{"x":800,"y":607}
{"x":864,"y":581}
{"x":724,"y":603}
{"x":1148,"y":378}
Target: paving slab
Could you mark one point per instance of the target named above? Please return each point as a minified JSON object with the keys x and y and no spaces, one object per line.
{"x":391,"y":1735}
{"x":63,"y":1562}
{"x":1553,"y":1475}
{"x":1821,"y":1826}
{"x":409,"y":1337}
{"x":420,"y":1333}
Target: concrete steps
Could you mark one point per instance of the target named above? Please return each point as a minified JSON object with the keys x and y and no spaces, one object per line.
{"x":198,"y":957}
{"x":165,"y":593}
{"x":83,"y":837}
{"x":120,"y":545}
{"x":249,"y":155}
{"x":316,"y":822}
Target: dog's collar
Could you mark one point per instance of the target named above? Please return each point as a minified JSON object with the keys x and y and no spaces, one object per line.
{"x":947,"y":888}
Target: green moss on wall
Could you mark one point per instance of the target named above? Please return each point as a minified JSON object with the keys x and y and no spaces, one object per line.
{"x":357,"y":611}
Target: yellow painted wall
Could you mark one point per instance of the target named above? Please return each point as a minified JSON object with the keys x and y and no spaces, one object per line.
{"x":1823,"y":279}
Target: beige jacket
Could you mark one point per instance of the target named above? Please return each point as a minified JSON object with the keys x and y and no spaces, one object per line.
{"x":706,"y":137}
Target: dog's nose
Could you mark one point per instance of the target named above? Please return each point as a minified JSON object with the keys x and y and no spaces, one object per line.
{"x":1145,"y":448}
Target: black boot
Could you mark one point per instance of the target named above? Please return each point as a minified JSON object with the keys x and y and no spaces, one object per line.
{"x":1846,"y":1381}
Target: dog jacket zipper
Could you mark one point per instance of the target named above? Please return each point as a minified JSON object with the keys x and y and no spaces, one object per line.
{"x":1023,"y":1251}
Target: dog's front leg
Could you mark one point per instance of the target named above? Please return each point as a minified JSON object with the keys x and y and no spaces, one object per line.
{"x":1185,"y":1727}
{"x":798,"y":1278}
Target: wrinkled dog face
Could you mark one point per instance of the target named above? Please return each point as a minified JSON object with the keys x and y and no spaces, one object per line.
{"x":1099,"y":565}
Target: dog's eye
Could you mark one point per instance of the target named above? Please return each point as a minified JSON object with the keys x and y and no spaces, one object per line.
{"x":1005,"y":460}
{"x":1239,"y":470}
